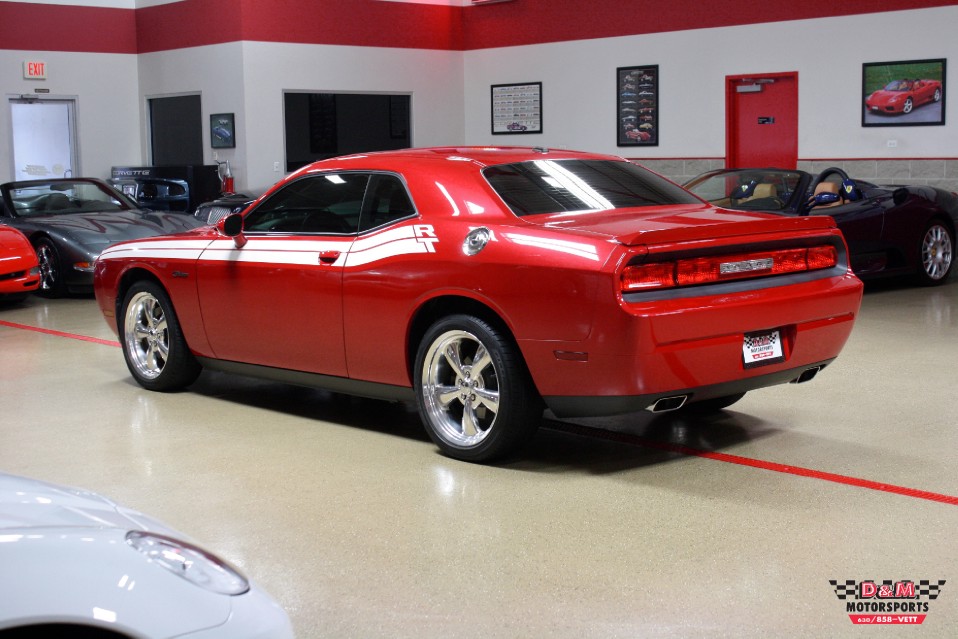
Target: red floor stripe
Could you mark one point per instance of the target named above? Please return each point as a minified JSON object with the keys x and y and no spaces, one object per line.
{"x":48,"y":331}
{"x":650,"y":443}
{"x":754,"y":463}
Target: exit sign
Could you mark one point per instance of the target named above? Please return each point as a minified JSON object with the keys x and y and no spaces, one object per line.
{"x":34,"y":70}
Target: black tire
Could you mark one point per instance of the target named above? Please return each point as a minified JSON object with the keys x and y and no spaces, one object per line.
{"x":475,"y":395}
{"x":52,"y":280}
{"x":713,"y":405}
{"x":153,"y":344}
{"x":908,"y":106}
{"x":936,"y":254}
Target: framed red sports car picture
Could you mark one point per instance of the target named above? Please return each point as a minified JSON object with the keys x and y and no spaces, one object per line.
{"x":909,"y":93}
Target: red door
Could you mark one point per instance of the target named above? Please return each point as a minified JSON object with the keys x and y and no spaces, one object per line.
{"x":277,"y":301}
{"x":762,"y":120}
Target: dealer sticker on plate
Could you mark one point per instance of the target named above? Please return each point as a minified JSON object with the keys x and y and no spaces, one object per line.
{"x":762,"y":348}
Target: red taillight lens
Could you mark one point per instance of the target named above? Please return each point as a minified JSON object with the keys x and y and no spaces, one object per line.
{"x":722,"y":268}
{"x":646,"y":276}
{"x":822,"y":257}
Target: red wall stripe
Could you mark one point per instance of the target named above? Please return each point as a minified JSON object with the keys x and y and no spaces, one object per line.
{"x":357,"y":23}
{"x":538,"y":21}
{"x":365,"y":23}
{"x":192,"y":23}
{"x":49,"y":27}
{"x":44,"y":27}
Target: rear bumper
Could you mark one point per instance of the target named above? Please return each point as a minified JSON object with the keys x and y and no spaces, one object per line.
{"x":604,"y":405}
{"x":693,"y":346}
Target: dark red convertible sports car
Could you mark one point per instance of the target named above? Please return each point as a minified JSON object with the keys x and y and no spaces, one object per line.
{"x":487,"y":284}
{"x":901,"y":96}
{"x":890,"y":230}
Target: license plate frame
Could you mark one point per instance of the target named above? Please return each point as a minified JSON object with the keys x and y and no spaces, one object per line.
{"x":761,"y":348}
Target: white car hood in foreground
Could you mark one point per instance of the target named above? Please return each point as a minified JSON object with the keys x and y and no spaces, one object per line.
{"x":65,"y":559}
{"x":26,"y":503}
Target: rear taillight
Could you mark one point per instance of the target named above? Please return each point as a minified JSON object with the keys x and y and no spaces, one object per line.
{"x":693,"y":271}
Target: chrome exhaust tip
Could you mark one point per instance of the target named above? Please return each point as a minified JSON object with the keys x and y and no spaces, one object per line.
{"x":807,"y":375}
{"x":666,"y":404}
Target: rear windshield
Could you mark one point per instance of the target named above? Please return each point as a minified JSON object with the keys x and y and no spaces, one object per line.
{"x":556,"y":186}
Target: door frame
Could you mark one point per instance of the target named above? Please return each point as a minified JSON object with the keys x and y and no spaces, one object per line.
{"x":731,"y":147}
{"x":74,"y":118}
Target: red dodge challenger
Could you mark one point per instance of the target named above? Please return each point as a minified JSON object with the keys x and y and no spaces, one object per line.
{"x":487,"y":284}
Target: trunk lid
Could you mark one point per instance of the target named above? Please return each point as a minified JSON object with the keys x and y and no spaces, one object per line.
{"x":677,"y":223}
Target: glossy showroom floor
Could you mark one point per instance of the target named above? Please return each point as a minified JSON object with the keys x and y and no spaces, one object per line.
{"x":638,"y":526}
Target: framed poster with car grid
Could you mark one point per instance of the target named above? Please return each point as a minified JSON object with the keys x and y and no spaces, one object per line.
{"x":517,"y":108}
{"x":637,"y":106}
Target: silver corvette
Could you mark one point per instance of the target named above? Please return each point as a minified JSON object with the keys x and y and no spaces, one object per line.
{"x":70,"y":221}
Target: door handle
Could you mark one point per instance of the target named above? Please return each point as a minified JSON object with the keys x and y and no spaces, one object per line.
{"x":328,"y":257}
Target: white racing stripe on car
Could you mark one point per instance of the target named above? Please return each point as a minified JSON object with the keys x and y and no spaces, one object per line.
{"x":274,"y":251}
{"x":164,"y":249}
{"x":405,"y":240}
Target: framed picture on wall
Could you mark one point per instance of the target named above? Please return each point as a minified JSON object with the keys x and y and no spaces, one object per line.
{"x":637,"y":106}
{"x":907,"y":93}
{"x":517,"y":108}
{"x":222,"y":131}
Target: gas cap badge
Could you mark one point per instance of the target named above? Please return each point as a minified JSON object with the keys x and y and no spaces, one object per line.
{"x":476,"y":240}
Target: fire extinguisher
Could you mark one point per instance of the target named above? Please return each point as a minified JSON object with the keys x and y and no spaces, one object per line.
{"x":226,"y":177}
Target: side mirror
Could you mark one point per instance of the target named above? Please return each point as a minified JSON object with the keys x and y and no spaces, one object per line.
{"x":232,"y":226}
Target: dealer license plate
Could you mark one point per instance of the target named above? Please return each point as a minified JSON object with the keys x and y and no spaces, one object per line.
{"x":762,"y":348}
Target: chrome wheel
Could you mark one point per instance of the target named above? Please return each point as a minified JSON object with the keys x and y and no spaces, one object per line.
{"x":51,"y":276}
{"x":907,"y":107}
{"x":937,"y":248}
{"x":153,"y":344}
{"x":146,"y":334}
{"x":460,"y":388}
{"x":476,"y":397}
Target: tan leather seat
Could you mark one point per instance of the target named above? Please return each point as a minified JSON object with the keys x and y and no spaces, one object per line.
{"x":764,"y":190}
{"x":761,"y":191}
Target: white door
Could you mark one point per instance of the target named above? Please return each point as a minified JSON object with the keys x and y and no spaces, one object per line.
{"x":43,"y":139}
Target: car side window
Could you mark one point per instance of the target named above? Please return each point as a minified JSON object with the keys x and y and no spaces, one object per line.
{"x":386,"y":201}
{"x":328,"y":203}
